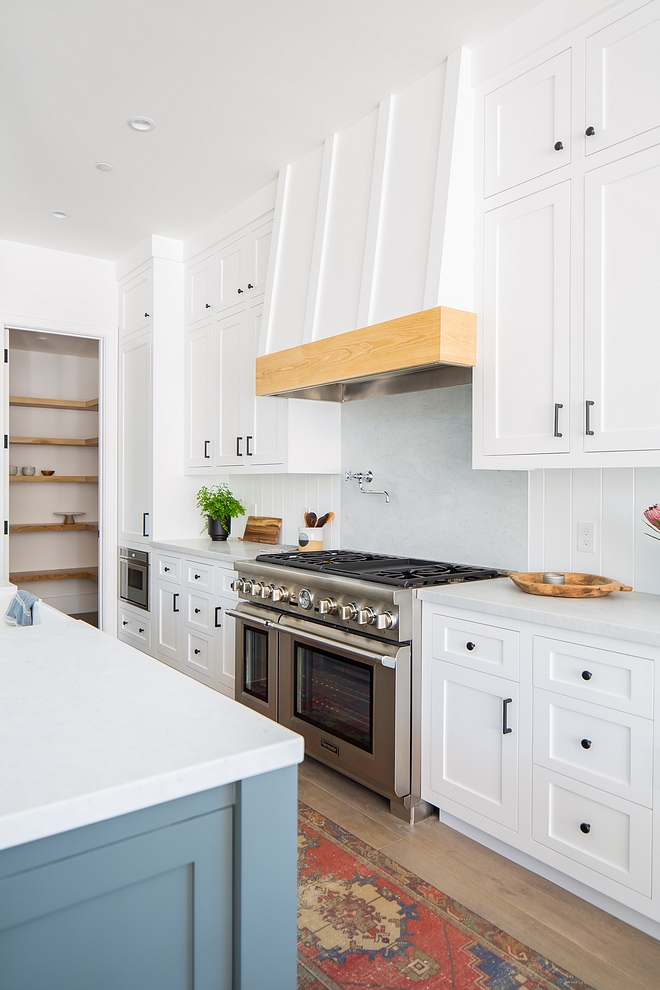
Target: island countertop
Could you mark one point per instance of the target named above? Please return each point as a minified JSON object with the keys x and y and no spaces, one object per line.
{"x":91,"y":728}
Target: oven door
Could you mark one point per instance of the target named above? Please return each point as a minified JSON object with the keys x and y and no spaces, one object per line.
{"x":134,"y":582}
{"x":349,"y":697}
{"x":256,"y":659}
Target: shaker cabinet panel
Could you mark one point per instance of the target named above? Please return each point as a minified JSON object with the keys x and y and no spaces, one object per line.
{"x":200,"y":290}
{"x":622,"y":318}
{"x":527,"y":324}
{"x":230,"y":275}
{"x":135,"y":302}
{"x":200,"y":396}
{"x":528,"y":125}
{"x":622,"y":96}
{"x":230,"y":438}
{"x":168,"y":633}
{"x":262,"y":416}
{"x":135,"y":438}
{"x":258,"y":253}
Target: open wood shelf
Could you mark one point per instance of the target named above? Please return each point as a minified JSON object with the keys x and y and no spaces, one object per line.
{"x":54,"y":477}
{"x":51,"y":527}
{"x":91,"y":405}
{"x":57,"y":441}
{"x":61,"y":574}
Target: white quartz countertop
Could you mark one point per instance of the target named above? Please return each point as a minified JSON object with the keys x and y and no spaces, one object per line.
{"x":222,"y":551}
{"x":91,"y":728}
{"x":623,"y":615}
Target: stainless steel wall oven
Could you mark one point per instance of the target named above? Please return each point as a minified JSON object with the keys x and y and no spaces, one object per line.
{"x":134,"y":577}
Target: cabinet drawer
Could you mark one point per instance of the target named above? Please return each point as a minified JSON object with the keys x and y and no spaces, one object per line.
{"x":475,"y":645}
{"x":199,"y":653}
{"x":198,"y":575}
{"x":199,"y":611}
{"x":616,"y":680}
{"x":598,"y":830}
{"x":225,"y":578}
{"x":597,"y":745}
{"x":168,"y":568}
{"x":133,"y":630}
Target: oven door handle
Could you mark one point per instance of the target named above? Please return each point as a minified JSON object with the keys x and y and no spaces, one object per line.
{"x":383,"y":658}
{"x":249,"y":618}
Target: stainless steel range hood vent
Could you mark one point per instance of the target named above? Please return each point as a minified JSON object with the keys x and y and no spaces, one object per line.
{"x":435,"y":348}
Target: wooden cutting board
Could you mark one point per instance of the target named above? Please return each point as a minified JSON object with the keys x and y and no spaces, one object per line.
{"x":576,"y":586}
{"x":262,"y":529}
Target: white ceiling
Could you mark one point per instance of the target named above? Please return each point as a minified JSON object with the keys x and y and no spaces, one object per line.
{"x":53,"y":343}
{"x":236,"y":89}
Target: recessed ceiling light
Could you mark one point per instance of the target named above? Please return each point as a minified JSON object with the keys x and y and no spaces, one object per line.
{"x":41,"y":337}
{"x":104,"y":166}
{"x":141,"y":123}
{"x":58,"y":215}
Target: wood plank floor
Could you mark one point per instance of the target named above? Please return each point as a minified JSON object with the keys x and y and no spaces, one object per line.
{"x":592,"y":945}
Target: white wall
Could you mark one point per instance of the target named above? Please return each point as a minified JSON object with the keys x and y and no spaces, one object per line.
{"x":51,"y":290}
{"x":419,"y":447}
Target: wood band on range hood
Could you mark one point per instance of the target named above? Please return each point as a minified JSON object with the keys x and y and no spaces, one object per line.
{"x":401,"y":348}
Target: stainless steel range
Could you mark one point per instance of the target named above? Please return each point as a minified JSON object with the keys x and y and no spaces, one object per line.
{"x":324,"y":645}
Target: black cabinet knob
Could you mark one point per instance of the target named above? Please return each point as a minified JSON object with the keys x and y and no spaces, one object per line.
{"x":470,"y":646}
{"x":590,"y":131}
{"x":166,"y":569}
{"x":198,"y":610}
{"x":250,"y":286}
{"x":585,"y":827}
{"x":207,"y":306}
{"x":124,"y":623}
{"x":585,"y":743}
{"x":559,"y":146}
{"x":141,"y":630}
{"x":197,"y":577}
{"x":199,"y":651}
{"x":586,"y":675}
{"x":147,"y":314}
{"x":240,"y":291}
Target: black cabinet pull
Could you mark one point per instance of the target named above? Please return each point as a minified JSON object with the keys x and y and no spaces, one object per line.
{"x":197,"y":651}
{"x":166,"y":569}
{"x":559,"y":146}
{"x":141,"y":630}
{"x":248,"y":450}
{"x":207,"y":305}
{"x":239,"y":441}
{"x":506,"y":728}
{"x":218,"y":608}
{"x":240,"y":291}
{"x":197,"y":577}
{"x":585,"y":828}
{"x":147,"y":315}
{"x":207,"y":444}
{"x":250,"y":286}
{"x":590,"y":131}
{"x":558,"y":406}
{"x":124,"y":623}
{"x":585,"y":743}
{"x":588,"y":429}
{"x":197,"y":611}
{"x":174,"y":598}
{"x":145,"y":516}
{"x":470,"y":646}
{"x":586,"y":675}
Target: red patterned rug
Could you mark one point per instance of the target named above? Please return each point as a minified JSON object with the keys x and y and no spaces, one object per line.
{"x":365,"y":921}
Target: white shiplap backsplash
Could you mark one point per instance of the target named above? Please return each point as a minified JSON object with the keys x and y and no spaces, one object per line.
{"x":614,"y":500}
{"x":287,"y":496}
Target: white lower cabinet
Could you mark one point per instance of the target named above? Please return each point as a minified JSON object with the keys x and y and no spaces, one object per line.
{"x":187,"y":627}
{"x":563,"y":771}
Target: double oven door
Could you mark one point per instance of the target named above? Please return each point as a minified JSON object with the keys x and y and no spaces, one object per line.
{"x":347,"y":695}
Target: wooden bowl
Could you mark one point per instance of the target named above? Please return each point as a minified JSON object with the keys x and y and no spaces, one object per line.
{"x":48,"y":473}
{"x":576,"y":586}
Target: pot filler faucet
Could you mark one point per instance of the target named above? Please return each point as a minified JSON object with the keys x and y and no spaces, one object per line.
{"x":366,"y":477}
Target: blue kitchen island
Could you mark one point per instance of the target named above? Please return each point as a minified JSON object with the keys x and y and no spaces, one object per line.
{"x":147,"y":824}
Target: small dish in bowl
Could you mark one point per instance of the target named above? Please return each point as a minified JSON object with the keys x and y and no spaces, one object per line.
{"x":47,"y":473}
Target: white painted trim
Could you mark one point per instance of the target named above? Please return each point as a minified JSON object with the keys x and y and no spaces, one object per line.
{"x":376,"y":211}
{"x":275,"y":258}
{"x":319,"y":248}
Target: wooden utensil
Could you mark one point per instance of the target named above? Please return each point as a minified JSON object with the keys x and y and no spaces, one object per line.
{"x":324,"y":520}
{"x":262,"y":529}
{"x":310,"y":520}
{"x":576,"y":586}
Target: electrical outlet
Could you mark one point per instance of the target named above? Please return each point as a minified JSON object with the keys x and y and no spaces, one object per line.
{"x":586,"y":541}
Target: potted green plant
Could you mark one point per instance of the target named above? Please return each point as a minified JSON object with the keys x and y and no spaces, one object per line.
{"x":219,"y":506}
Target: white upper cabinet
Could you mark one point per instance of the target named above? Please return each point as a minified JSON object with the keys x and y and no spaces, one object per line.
{"x":622,"y":97}
{"x":229,"y":376}
{"x":200,"y":290}
{"x":231,"y":279}
{"x":135,"y":438}
{"x":526,"y":324}
{"x":622,"y":317}
{"x":200,"y":432}
{"x":527,"y":125}
{"x":258,"y":246}
{"x":135,"y":300}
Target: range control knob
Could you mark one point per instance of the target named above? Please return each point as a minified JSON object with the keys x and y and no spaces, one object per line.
{"x":236,"y":585}
{"x":366,"y":616}
{"x":327,"y":606}
{"x":280,"y":594}
{"x":267,"y":590}
{"x":305,"y":598}
{"x":385,"y":620}
{"x":255,"y":588}
{"x":348,"y":611}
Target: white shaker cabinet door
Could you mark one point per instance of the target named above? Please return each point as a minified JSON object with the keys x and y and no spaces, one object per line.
{"x":225,"y":632}
{"x":169,"y":604}
{"x":230,"y":280}
{"x":622,"y":77}
{"x":469,"y":756}
{"x":528,"y":125}
{"x":135,"y":478}
{"x":258,"y":252}
{"x":526,"y":324}
{"x":201,"y":390}
{"x":622,"y":316}
{"x":135,"y":302}
{"x":200,"y":289}
{"x":262,"y":417}
{"x":231,"y":443}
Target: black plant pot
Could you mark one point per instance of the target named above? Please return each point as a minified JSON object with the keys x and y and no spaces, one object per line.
{"x":219,"y":529}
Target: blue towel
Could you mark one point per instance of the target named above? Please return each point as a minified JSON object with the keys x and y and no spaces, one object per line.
{"x":19,"y":612}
